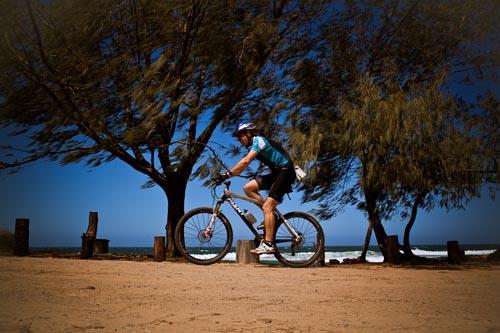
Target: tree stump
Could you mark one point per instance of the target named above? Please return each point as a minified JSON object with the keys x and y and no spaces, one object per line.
{"x":101,"y":246}
{"x":21,"y":237}
{"x":92,"y":227}
{"x":159,"y":248}
{"x":243,"y":255}
{"x":87,"y":250}
{"x":392,"y":245}
{"x":88,"y":238}
{"x":454,"y":253}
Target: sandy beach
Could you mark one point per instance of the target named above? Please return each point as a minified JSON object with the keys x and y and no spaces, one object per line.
{"x":69,"y":295}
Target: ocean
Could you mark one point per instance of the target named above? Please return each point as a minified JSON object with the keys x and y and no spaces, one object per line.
{"x":331,"y":252}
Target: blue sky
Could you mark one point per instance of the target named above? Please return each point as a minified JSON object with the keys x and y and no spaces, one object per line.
{"x":57,"y":200}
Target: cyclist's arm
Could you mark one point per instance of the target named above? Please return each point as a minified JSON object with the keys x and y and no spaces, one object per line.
{"x":243,"y":163}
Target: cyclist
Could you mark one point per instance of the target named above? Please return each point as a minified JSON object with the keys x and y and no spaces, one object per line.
{"x":278,"y":182}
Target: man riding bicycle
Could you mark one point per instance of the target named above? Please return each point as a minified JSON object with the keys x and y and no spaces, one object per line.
{"x":278,"y":182}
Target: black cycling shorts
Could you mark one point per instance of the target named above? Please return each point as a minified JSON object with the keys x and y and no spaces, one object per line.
{"x":278,"y":182}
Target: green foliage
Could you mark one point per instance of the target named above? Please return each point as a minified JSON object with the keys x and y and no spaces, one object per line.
{"x":131,"y":80}
{"x":378,"y":85}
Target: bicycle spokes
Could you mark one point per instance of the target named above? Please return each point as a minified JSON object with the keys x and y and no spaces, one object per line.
{"x":297,"y":239}
{"x":204,"y":234}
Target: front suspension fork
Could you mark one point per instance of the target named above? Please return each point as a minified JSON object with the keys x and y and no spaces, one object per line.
{"x":210,"y":227}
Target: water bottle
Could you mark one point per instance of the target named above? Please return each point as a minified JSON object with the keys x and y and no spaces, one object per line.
{"x":249,"y":216}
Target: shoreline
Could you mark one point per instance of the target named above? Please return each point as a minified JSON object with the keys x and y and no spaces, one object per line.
{"x":133,"y":256}
{"x":40,"y":294}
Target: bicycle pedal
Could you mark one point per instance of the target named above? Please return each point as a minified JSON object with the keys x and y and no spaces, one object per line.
{"x":261,"y":226}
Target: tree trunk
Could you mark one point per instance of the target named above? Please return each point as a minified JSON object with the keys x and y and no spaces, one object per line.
{"x":368,"y":236}
{"x":176,"y":193}
{"x":406,"y":239}
{"x":380,"y":234}
{"x":374,"y":220}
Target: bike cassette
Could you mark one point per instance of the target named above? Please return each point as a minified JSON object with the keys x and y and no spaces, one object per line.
{"x":299,"y":241}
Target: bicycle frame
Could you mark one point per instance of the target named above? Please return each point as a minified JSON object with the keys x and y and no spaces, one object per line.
{"x":228,"y":196}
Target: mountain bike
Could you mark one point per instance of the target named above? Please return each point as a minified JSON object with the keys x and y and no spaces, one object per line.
{"x":204,"y":235}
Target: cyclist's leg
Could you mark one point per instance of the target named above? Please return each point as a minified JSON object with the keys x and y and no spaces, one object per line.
{"x":251,"y":189}
{"x":281,"y":184}
{"x":269,"y":218}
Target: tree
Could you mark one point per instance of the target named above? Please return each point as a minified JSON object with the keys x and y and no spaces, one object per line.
{"x":445,"y":158}
{"x":425,"y":151}
{"x":145,"y":82}
{"x":377,"y":65}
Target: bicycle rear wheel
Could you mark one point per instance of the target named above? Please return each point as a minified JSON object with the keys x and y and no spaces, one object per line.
{"x":198,"y":244}
{"x":305,"y":250}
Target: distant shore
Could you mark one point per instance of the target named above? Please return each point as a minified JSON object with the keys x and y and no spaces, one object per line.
{"x":41,"y":294}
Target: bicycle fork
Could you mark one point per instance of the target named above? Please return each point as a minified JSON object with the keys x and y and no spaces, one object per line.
{"x":207,"y":233}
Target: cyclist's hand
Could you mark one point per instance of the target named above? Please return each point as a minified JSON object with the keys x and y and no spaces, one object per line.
{"x":219,"y":179}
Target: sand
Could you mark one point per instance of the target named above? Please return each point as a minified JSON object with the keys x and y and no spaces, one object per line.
{"x":69,"y":295}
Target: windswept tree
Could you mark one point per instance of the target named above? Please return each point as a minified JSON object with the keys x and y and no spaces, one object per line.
{"x":382,"y":77}
{"x":145,"y":82}
{"x":425,"y":151}
{"x":444,"y":158}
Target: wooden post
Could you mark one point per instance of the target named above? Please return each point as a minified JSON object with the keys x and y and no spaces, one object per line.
{"x":159,"y":248}
{"x":88,"y":238}
{"x":101,"y":246}
{"x":92,"y":228}
{"x":392,"y":244}
{"x":321,"y":258}
{"x":243,"y":255}
{"x":21,"y":237}
{"x":454,"y":253}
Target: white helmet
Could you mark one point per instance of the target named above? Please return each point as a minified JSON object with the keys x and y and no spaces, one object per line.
{"x":242,"y":127}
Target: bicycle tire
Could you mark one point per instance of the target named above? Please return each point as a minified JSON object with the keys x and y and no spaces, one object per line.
{"x":203,"y":250}
{"x":293,"y":255}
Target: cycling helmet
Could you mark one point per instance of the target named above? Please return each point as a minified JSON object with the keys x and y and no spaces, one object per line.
{"x":242,"y":127}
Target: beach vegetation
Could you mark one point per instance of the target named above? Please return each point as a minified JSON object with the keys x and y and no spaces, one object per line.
{"x":402,"y":94}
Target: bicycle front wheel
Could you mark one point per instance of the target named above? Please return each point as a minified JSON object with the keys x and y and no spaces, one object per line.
{"x":198,"y":242}
{"x":299,"y":251}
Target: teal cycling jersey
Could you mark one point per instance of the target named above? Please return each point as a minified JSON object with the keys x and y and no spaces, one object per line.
{"x":270,"y":153}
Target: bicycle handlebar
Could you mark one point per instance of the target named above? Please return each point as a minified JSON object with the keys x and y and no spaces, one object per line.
{"x":215,"y":183}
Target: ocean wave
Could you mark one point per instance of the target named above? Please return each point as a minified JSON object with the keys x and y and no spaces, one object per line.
{"x":371,"y":256}
{"x":435,"y":254}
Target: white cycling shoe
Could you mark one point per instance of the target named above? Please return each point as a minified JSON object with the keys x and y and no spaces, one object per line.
{"x":263,"y":248}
